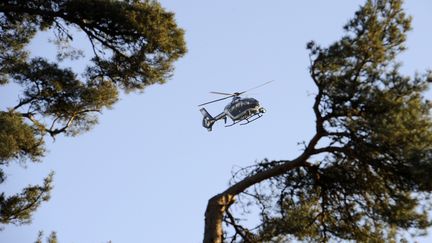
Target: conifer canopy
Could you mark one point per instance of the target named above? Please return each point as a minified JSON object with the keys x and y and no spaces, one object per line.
{"x":134,"y":44}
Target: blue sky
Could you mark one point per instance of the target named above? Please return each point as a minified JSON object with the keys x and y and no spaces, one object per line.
{"x":145,"y":173}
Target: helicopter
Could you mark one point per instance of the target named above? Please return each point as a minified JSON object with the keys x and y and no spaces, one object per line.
{"x":240,"y":109}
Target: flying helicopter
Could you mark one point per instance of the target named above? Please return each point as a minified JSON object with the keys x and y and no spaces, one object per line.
{"x":240,"y":109}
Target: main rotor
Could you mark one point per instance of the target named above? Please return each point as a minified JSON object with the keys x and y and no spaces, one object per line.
{"x":235,"y":94}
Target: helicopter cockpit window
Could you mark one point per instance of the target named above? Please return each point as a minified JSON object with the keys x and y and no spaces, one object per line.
{"x":240,"y":106}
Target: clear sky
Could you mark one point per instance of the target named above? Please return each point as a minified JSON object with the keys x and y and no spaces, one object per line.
{"x":145,"y":173}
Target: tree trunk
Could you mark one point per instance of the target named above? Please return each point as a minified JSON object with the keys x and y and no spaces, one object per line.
{"x":215,"y":211}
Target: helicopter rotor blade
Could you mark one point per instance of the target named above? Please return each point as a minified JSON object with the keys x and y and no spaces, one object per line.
{"x":256,"y":87}
{"x":233,"y":94}
{"x":216,"y":100}
{"x":220,"y":93}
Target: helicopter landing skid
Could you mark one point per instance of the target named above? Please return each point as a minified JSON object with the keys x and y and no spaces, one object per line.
{"x":257,"y":116}
{"x":249,"y":121}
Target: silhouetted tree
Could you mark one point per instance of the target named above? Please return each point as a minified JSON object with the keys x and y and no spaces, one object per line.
{"x":134,"y":45}
{"x":52,"y":238}
{"x":365,"y":174}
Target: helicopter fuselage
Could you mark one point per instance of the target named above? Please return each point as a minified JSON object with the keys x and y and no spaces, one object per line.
{"x":239,"y":109}
{"x":242,"y":108}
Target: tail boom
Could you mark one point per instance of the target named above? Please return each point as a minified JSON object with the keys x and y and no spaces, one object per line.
{"x":208,"y":120}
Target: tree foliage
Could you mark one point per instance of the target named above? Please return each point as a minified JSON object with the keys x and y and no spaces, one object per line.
{"x":52,"y":238}
{"x":365,"y":174}
{"x":18,"y":209}
{"x":134,"y":45}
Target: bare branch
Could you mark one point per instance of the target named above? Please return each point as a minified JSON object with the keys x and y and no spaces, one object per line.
{"x":240,"y":230}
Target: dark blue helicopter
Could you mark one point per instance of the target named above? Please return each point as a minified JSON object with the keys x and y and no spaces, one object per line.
{"x":238,"y":110}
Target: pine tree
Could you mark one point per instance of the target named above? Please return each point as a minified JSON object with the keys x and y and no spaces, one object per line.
{"x":365,"y":174}
{"x":134,"y":45}
{"x":52,"y":238}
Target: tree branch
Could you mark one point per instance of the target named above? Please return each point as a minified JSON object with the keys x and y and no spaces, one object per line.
{"x":219,"y":204}
{"x":240,"y":230}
